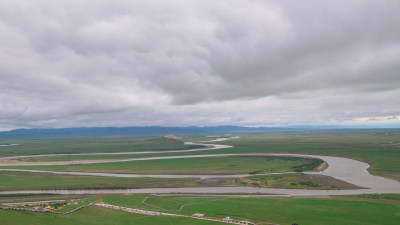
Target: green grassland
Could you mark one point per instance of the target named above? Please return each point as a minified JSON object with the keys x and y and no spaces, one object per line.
{"x":162,"y":205}
{"x":345,"y":210}
{"x":277,"y":210}
{"x":157,"y":203}
{"x":91,"y":215}
{"x":90,"y":145}
{"x":206,"y":165}
{"x":68,"y":208}
{"x":27,"y":180}
{"x":105,"y":156}
{"x":380,"y":148}
{"x":355,"y":210}
{"x":301,"y":211}
{"x":386,"y":198}
{"x":87,"y":157}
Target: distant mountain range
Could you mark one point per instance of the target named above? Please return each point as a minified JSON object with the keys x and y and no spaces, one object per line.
{"x":155,"y":130}
{"x":114,"y":131}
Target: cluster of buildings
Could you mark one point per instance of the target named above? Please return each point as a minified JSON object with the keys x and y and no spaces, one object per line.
{"x":44,"y":206}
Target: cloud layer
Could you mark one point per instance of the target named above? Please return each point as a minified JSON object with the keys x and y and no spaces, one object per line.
{"x":125,"y":63}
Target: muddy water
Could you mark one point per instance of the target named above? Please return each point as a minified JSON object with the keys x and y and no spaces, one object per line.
{"x":121,"y":175}
{"x":215,"y":190}
{"x":9,"y":145}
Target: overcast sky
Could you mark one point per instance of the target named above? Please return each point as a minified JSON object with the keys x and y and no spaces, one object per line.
{"x":69,"y":63}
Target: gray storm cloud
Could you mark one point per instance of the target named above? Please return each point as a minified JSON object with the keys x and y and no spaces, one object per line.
{"x":122,"y":63}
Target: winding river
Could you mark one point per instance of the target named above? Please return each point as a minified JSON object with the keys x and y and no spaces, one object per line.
{"x":349,"y":170}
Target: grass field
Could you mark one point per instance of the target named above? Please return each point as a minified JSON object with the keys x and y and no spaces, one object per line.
{"x":68,"y":208}
{"x":353,"y":210}
{"x":89,"y":157}
{"x":346,"y":210}
{"x":89,"y":145}
{"x":281,"y":210}
{"x":302,"y":211}
{"x":91,"y":215}
{"x":106,"y":156}
{"x":27,"y":180}
{"x":392,"y":198}
{"x":210,"y":165}
{"x":380,"y":148}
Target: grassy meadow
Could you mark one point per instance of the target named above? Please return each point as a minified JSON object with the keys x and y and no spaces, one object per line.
{"x":91,"y":216}
{"x":349,"y":210}
{"x":27,"y":180}
{"x":352,"y":211}
{"x":203,"y":165}
{"x":301,"y":211}
{"x":379,"y":147}
{"x":90,"y":145}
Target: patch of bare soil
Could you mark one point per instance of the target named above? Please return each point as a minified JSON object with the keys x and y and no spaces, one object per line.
{"x":18,"y":161}
{"x":312,"y":182}
{"x":244,"y":217}
{"x":316,"y":196}
{"x":248,"y":181}
{"x":329,"y":181}
{"x":322,"y":167}
{"x":392,"y":143}
{"x":173,"y":137}
{"x":214,"y":182}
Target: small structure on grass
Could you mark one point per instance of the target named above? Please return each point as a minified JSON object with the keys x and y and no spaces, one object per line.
{"x":49,"y":208}
{"x":198,"y":215}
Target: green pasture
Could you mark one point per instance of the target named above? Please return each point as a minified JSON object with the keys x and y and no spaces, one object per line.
{"x":203,"y":165}
{"x":301,"y":211}
{"x":348,"y":210}
{"x":90,"y":145}
{"x":284,"y":211}
{"x":71,"y":207}
{"x":380,"y":148}
{"x":87,"y":157}
{"x":91,"y":216}
{"x":27,"y":180}
{"x":389,"y":198}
